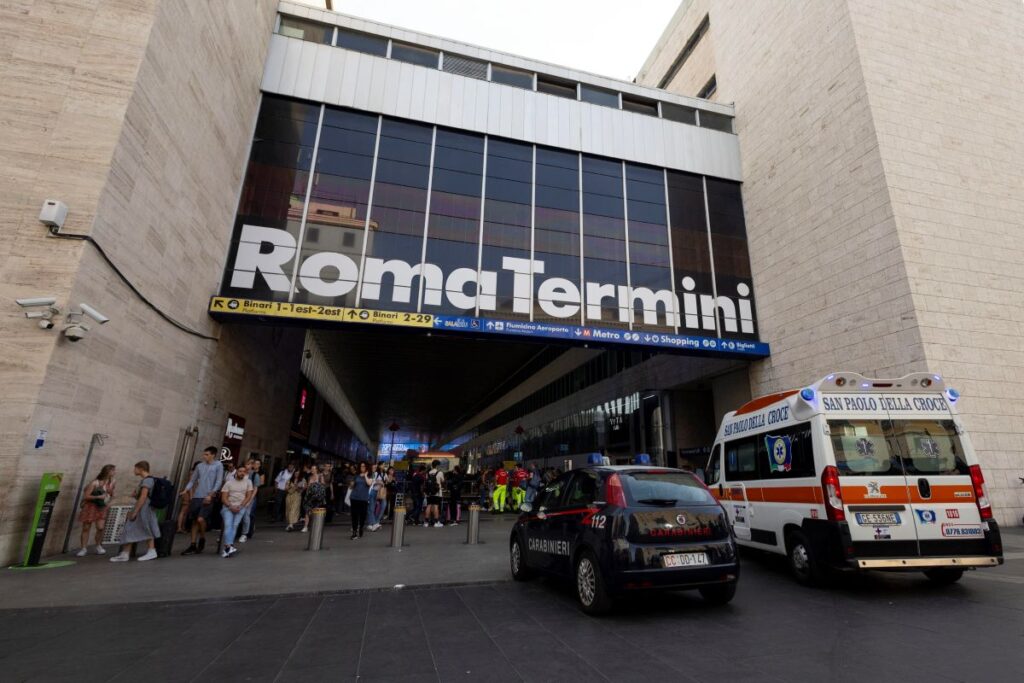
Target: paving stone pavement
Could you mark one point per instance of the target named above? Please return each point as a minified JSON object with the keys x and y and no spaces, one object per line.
{"x":877,"y":627}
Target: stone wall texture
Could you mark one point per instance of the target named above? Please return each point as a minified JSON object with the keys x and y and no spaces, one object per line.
{"x":881,"y":145}
{"x":138,"y":115}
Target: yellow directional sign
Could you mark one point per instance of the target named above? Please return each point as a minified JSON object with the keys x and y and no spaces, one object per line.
{"x":283,"y":309}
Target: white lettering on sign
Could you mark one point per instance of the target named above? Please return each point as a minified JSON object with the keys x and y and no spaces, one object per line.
{"x":266,"y":251}
{"x":544,"y":545}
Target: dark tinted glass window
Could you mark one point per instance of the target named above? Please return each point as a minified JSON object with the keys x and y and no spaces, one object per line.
{"x":550,"y":496}
{"x":362,"y":42}
{"x":677,"y":112}
{"x":397,"y":218}
{"x":639,"y":106}
{"x":338,"y":199}
{"x":414,"y":54}
{"x":786,"y":453}
{"x":649,"y":256}
{"x":303,"y":29}
{"x":732,"y":259}
{"x":555,"y":87}
{"x":665,"y":488}
{"x":557,"y":236}
{"x":454,"y":231}
{"x":741,"y":459}
{"x":510,"y":76}
{"x":594,"y":95}
{"x":862,"y":448}
{"x":716,"y":121}
{"x":507,"y":221}
{"x":691,"y":255}
{"x":714,"y":469}
{"x":273,"y":194}
{"x":604,"y":240}
{"x":930,"y":447}
{"x":709,"y":89}
{"x":582,"y":489}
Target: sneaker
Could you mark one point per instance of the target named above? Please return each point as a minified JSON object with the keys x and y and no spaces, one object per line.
{"x":354,"y":537}
{"x":242,"y":539}
{"x":151,"y":555}
{"x":100,"y":550}
{"x":305,"y":529}
{"x":426,"y":524}
{"x":229,"y":551}
{"x":438,"y":525}
{"x":289,"y":528}
{"x":202,"y":544}
{"x":191,"y":550}
{"x":82,"y":553}
{"x":120,"y":557}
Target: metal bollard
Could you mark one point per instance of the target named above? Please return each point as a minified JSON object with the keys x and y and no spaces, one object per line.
{"x":473,"y":529}
{"x":316,"y":528}
{"x":398,"y":527}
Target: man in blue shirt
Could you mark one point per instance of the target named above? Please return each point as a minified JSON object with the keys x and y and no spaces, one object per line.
{"x":205,"y":485}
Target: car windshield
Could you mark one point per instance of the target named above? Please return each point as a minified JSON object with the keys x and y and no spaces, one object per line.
{"x":665,"y":488}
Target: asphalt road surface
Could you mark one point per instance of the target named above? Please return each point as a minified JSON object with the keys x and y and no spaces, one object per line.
{"x":878,"y":628}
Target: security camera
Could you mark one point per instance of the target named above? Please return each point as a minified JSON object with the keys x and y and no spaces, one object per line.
{"x":38,"y":301}
{"x":94,"y":314}
{"x":75,"y":332}
{"x":46,"y":324}
{"x":53,"y":214}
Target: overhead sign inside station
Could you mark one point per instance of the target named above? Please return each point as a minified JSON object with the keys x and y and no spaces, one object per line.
{"x":227,"y":306}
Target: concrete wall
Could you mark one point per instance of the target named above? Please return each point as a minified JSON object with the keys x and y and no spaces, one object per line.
{"x":140,"y":122}
{"x":880,"y":146}
{"x":943,"y":82}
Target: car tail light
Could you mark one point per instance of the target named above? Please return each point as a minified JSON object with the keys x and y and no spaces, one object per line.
{"x":833,"y":494}
{"x":981,"y":492}
{"x":613,"y":493}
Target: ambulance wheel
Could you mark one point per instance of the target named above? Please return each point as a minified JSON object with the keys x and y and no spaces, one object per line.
{"x":944,"y":576}
{"x":719,"y":594}
{"x":802,"y":561}
{"x":517,"y":561}
{"x":590,"y":587}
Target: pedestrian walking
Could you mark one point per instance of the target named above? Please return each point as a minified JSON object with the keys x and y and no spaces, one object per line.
{"x":142,"y":524}
{"x":358,"y":499}
{"x":378,"y":495}
{"x":281,"y":490}
{"x":98,"y":494}
{"x":186,"y":500}
{"x":248,"y":525}
{"x":432,"y":487}
{"x":293,"y":500}
{"x":454,"y":481}
{"x":205,"y":484}
{"x":236,"y":494}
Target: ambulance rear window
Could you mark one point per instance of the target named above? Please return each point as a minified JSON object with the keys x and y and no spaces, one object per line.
{"x":862,"y":448}
{"x":930,"y":447}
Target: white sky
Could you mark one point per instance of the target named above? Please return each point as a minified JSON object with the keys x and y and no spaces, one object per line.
{"x":607,"y":37}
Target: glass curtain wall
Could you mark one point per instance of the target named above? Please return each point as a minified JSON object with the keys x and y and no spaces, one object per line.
{"x":338,"y":199}
{"x":454,"y":227}
{"x":732,"y":259}
{"x":691,"y":255}
{"x":604,"y":241}
{"x":650,"y":265}
{"x":556,"y":236}
{"x":507,"y":221}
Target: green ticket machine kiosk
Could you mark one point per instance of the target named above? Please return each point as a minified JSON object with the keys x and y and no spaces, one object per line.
{"x":49,"y":489}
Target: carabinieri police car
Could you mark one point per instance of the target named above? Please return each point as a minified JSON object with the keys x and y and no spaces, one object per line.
{"x":615,"y":530}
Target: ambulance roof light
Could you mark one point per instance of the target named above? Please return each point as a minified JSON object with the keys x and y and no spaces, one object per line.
{"x":807,"y":394}
{"x":865,"y":385}
{"x":952,"y":395}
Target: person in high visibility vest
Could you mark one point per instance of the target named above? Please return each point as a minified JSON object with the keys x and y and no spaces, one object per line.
{"x":520,"y":478}
{"x":500,"y":489}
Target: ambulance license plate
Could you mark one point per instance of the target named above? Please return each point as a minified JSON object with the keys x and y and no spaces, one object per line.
{"x":875,"y":518}
{"x":685,"y":560}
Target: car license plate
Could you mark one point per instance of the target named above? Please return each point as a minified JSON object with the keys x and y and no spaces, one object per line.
{"x":875,"y":518}
{"x":685,"y":560}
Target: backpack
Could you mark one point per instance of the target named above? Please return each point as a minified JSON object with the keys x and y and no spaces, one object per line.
{"x":431,"y":488}
{"x":162,"y":493}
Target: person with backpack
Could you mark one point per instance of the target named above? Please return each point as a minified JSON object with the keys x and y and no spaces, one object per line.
{"x":142,"y":524}
{"x":94,"y":508}
{"x":432,"y":488}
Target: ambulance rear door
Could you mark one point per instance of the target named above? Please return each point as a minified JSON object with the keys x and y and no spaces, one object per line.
{"x":740,"y":467}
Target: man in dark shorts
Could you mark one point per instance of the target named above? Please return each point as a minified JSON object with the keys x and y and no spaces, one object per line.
{"x":205,"y":485}
{"x":432,"y":486}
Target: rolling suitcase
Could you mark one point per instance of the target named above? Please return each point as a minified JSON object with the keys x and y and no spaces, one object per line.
{"x":165,"y":544}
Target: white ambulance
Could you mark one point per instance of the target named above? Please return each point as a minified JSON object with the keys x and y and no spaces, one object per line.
{"x":857,"y":473}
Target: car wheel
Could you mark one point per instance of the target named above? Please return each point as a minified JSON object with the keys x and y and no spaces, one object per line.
{"x":802,"y":561}
{"x":517,"y":562}
{"x":944,"y":576}
{"x":719,"y":594}
{"x":590,"y":587}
